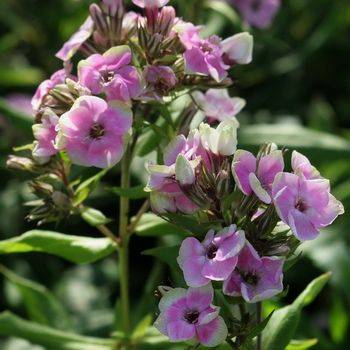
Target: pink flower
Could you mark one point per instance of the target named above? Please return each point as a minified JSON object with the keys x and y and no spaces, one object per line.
{"x":93,"y":132}
{"x":213,"y":259}
{"x":166,"y":194}
{"x":217,"y":105}
{"x":44,"y":88}
{"x":258,"y":13}
{"x":202,"y":56}
{"x":160,"y":80}
{"x":255,"y":278}
{"x":253,"y":175}
{"x":45,"y":134}
{"x":189,"y":315}
{"x":74,"y":43}
{"x":302,"y":166}
{"x":150,"y":3}
{"x":111,"y":74}
{"x":305,"y":205}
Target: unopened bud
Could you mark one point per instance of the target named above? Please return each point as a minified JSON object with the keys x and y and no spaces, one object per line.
{"x":184,"y":172}
{"x":166,"y":20}
{"x":99,"y":19}
{"x":20,"y":163}
{"x":238,"y":48}
{"x":113,"y":6}
{"x":60,"y":199}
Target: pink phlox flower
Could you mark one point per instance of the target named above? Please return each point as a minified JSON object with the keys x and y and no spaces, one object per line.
{"x":188,"y":315}
{"x":111,"y":73}
{"x":44,"y":88}
{"x":202,"y":56}
{"x":45,"y":135}
{"x":212,"y":260}
{"x":217,"y":105}
{"x":256,"y":176}
{"x":255,"y":278}
{"x":74,"y":43}
{"x":93,"y":132}
{"x":306,"y":205}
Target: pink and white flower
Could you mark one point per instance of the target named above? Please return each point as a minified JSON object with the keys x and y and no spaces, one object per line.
{"x":45,"y":135}
{"x":255,"y":278}
{"x":306,"y":205}
{"x":111,"y":73}
{"x":44,"y":88}
{"x":76,"y":41}
{"x":258,"y":13}
{"x":302,"y":166}
{"x":213,"y":259}
{"x":217,"y":105}
{"x":188,"y":315}
{"x":93,"y":132}
{"x":256,"y":176}
{"x":202,"y":56}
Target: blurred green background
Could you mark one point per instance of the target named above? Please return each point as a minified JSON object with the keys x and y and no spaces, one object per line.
{"x":298,"y":94}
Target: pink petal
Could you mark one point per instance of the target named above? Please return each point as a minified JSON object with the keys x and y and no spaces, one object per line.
{"x":213,"y":333}
{"x":301,"y":226}
{"x":190,"y":248}
{"x":200,"y":298}
{"x":269,"y":166}
{"x":181,"y":331}
{"x":232,"y":286}
{"x":219,"y":270}
{"x":192,"y":270}
{"x":243,"y":164}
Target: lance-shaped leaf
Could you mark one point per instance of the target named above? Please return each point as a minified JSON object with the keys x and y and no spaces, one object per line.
{"x":283,"y":323}
{"x":41,"y":305}
{"x":49,"y":338}
{"x":77,"y":249}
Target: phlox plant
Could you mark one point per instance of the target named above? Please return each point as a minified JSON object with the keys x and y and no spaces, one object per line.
{"x":148,"y":85}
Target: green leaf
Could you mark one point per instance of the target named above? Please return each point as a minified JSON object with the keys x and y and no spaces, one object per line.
{"x":135,"y":192}
{"x":283,"y":323}
{"x":165,"y":254}
{"x":224,"y":9}
{"x":77,"y":249}
{"x":49,"y":338}
{"x":94,"y":217}
{"x":339,"y":320}
{"x":301,"y":344}
{"x":319,"y":144}
{"x":259,"y":328}
{"x":86,"y":187}
{"x":19,"y":76}
{"x":142,"y":327}
{"x":42,"y":306}
{"x":152,"y":225}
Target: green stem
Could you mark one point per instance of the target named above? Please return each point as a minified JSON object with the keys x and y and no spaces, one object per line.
{"x":124,"y":242}
{"x":258,"y":321}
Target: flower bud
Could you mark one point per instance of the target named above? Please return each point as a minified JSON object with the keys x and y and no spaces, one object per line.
{"x":238,"y":48}
{"x":166,"y":20}
{"x":222,"y":140}
{"x":99,"y":19}
{"x":20,"y":163}
{"x":150,"y":3}
{"x":113,"y":6}
{"x":184,"y":172}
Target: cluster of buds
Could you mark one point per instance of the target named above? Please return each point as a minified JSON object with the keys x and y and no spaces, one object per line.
{"x":263,"y":214}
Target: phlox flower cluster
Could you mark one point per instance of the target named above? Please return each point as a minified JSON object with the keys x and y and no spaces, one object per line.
{"x":87,"y":112}
{"x":247,"y":254}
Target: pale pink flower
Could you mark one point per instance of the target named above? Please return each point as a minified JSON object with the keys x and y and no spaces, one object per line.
{"x":188,"y":315}
{"x":255,"y":278}
{"x":93,"y":132}
{"x":45,"y":135}
{"x":253,"y":175}
{"x":217,"y":105}
{"x":202,"y":56}
{"x":111,"y":74}
{"x":74,"y":43}
{"x":213,"y":259}
{"x":238,"y":49}
{"x":302,"y":166}
{"x":44,"y":88}
{"x":305,"y":205}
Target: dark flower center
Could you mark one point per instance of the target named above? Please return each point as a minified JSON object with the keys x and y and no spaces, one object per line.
{"x":107,"y":76}
{"x":250,"y":277}
{"x":301,"y":206}
{"x":256,"y":5}
{"x":211,"y":251}
{"x":161,"y":86}
{"x":191,"y":316}
{"x":96,"y":131}
{"x":206,"y":47}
